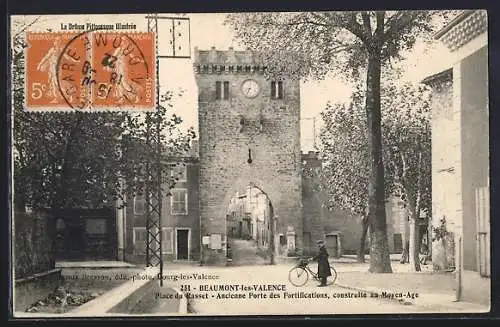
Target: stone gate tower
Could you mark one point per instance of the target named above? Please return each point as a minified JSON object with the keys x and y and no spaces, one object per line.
{"x":249,"y":130}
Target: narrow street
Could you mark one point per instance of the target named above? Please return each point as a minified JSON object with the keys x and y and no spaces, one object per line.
{"x":245,"y":253}
{"x":308,"y":299}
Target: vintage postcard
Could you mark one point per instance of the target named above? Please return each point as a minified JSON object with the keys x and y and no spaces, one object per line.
{"x":274,"y":163}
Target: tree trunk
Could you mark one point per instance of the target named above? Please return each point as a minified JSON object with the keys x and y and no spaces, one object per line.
{"x":364,"y":231}
{"x":406,"y":238}
{"x":380,"y":261}
{"x":429,"y":240}
{"x":414,"y":239}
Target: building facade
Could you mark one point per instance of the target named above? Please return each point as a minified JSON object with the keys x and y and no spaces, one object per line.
{"x":249,"y":133}
{"x":180,"y":216}
{"x":460,"y":151}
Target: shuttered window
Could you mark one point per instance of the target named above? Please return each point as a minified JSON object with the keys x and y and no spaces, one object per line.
{"x":179,"y":201}
{"x":222,"y":90}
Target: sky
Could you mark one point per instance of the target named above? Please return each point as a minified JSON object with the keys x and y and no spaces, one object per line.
{"x":208,"y":30}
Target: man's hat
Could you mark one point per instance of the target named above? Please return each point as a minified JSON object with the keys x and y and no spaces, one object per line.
{"x":320,"y":242}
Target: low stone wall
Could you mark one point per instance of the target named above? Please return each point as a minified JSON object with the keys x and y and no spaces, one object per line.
{"x":131,"y":296}
{"x":38,"y":286}
{"x":140,"y":300}
{"x":32,"y":243}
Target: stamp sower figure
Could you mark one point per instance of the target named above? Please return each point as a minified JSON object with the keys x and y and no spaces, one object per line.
{"x":48,"y":64}
{"x":323,"y":264}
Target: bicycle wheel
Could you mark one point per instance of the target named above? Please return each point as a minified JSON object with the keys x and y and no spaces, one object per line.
{"x":298,"y":276}
{"x":333,"y":277}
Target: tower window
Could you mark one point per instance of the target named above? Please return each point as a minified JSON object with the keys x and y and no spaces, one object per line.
{"x":277,"y":90}
{"x":225,"y":96}
{"x":222,"y":90}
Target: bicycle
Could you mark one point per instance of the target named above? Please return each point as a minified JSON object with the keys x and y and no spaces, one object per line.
{"x":299,"y":274}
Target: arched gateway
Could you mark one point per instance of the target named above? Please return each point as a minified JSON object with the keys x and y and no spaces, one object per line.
{"x":249,"y":133}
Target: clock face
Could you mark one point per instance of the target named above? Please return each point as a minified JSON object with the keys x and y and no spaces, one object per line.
{"x":250,"y":88}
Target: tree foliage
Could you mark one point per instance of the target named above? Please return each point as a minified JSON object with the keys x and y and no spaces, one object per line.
{"x":406,"y":150}
{"x":140,"y":150}
{"x":348,"y":44}
{"x":317,"y":44}
{"x":346,"y":156}
{"x":345,"y":173}
{"x":76,"y":159}
{"x":407,"y":136}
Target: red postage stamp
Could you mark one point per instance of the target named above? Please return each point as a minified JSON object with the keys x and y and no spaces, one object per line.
{"x":93,"y":70}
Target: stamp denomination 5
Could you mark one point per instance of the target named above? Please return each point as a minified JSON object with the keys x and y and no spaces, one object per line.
{"x":92,"y":70}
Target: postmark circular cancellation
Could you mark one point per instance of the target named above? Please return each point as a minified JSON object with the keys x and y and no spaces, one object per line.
{"x":91,"y":70}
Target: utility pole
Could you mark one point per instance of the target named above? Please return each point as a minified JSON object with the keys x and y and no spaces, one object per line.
{"x":153,"y":192}
{"x":154,"y":232}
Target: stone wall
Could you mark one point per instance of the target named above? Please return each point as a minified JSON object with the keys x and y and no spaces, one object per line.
{"x":313,"y":202}
{"x":32,"y":240}
{"x":446,"y":161}
{"x":232,"y":130}
{"x":319,"y":220}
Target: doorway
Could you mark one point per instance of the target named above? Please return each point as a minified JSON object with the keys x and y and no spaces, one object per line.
{"x":182,"y":236}
{"x":333,"y":244}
